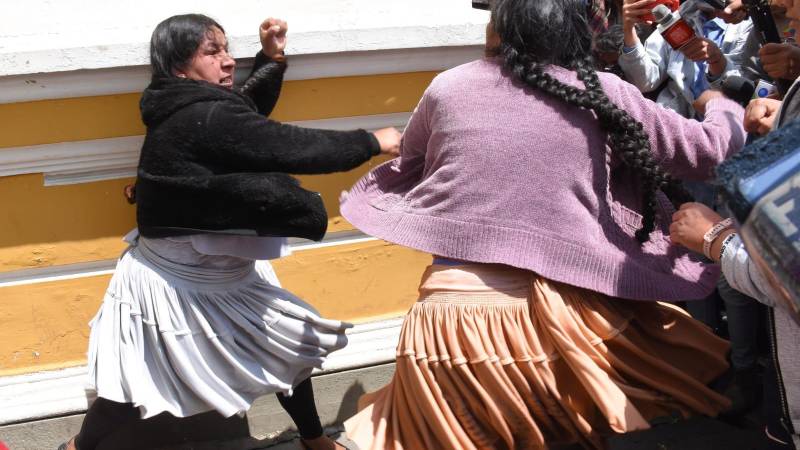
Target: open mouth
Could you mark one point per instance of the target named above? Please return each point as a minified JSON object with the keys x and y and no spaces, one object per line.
{"x":227,"y":81}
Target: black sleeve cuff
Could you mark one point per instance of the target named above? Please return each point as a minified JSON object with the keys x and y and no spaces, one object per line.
{"x":376,"y":146}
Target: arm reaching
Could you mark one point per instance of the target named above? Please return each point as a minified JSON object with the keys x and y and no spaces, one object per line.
{"x":231,"y":135}
{"x":688,"y":149}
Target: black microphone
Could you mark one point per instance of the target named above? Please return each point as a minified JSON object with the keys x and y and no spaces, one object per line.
{"x":764,"y":23}
{"x":738,"y":89}
{"x":481,"y":4}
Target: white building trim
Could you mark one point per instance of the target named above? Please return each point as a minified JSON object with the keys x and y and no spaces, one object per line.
{"x":113,"y":158}
{"x":35,"y":37}
{"x":85,"y":83}
{"x":54,"y":393}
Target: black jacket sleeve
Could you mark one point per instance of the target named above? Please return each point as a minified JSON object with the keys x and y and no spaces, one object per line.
{"x":264,"y":83}
{"x":237,"y":137}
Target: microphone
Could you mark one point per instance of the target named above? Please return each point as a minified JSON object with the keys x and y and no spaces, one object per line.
{"x":761,"y":15}
{"x":481,"y":4}
{"x":742,"y":90}
{"x":763,"y":22}
{"x":738,"y":89}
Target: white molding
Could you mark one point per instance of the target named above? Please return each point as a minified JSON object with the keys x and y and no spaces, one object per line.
{"x":48,"y":394}
{"x":77,"y":158}
{"x":105,"y":35}
{"x":106,"y":267}
{"x":113,"y":158}
{"x":86,"y":83}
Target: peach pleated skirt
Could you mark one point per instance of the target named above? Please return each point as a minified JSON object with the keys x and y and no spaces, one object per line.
{"x":492,"y":357}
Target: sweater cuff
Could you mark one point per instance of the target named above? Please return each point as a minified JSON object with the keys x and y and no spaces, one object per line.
{"x":634,"y":56}
{"x":376,"y":146}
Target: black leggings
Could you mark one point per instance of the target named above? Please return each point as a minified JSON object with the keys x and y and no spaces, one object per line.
{"x":105,"y":417}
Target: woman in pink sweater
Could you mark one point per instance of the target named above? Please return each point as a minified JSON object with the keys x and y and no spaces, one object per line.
{"x":545,"y":192}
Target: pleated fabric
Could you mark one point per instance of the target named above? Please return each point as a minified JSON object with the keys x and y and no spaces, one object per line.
{"x":492,"y":357}
{"x":186,"y":333}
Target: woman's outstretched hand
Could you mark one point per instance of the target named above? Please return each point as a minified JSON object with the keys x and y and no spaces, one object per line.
{"x":272,"y":33}
{"x":389,"y":138}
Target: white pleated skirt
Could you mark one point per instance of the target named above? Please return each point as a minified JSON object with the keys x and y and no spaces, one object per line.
{"x":186,"y":333}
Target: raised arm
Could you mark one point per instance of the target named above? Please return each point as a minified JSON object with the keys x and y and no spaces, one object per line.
{"x":264,"y":83}
{"x":645,"y":65}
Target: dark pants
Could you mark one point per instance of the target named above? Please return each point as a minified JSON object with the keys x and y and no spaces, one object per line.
{"x":105,"y":417}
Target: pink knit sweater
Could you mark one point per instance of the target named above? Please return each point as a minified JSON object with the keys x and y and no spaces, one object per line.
{"x":494,"y":172}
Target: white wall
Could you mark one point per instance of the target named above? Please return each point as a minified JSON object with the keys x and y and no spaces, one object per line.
{"x":45,"y":36}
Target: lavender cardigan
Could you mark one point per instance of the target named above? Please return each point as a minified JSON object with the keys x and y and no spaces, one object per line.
{"x":493,"y":172}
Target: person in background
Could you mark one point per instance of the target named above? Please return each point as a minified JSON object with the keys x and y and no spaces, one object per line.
{"x":194,"y":318}
{"x":764,"y":114}
{"x":688,"y":72}
{"x":771,"y":61}
{"x":782,"y":380}
{"x":690,"y":225}
{"x":607,"y":47}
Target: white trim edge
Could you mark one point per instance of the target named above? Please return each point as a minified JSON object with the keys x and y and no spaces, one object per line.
{"x":114,"y":158}
{"x":48,"y":394}
{"x":124,"y":80}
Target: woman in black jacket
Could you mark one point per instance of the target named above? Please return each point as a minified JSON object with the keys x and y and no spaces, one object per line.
{"x":194,"y":318}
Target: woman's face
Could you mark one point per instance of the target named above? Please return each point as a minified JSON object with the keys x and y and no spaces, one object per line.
{"x":211,"y":62}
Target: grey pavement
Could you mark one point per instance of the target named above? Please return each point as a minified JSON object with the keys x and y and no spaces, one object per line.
{"x":267,"y":426}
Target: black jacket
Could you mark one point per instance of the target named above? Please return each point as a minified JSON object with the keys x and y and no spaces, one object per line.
{"x":211,"y":162}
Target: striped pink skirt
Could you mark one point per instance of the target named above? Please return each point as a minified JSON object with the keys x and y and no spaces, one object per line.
{"x":492,"y":357}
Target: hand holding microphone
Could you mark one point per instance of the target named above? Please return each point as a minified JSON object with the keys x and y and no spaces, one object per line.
{"x":780,"y":61}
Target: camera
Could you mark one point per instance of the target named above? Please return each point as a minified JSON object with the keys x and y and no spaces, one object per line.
{"x":761,"y":187}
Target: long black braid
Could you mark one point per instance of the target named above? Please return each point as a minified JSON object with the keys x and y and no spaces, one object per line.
{"x":538,"y":33}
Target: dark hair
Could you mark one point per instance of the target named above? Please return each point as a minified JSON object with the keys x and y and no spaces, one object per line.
{"x":538,"y":33}
{"x":610,"y":41}
{"x":175,"y":41}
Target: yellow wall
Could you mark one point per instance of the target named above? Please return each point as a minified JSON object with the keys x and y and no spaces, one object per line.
{"x":43,"y":325}
{"x":79,"y":119}
{"x":50,"y":226}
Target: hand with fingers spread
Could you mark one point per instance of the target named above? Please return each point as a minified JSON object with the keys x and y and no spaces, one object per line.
{"x":760,"y":115}
{"x":780,"y":60}
{"x":705,"y":50}
{"x":272,"y":34}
